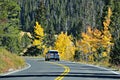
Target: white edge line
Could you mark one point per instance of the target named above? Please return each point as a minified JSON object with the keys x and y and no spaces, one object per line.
{"x":102,"y":68}
{"x":5,"y":74}
{"x":97,"y":67}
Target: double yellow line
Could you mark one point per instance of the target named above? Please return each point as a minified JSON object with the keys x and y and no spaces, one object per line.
{"x":66,"y":71}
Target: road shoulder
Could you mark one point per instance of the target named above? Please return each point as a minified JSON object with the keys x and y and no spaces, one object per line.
{"x":17,"y":70}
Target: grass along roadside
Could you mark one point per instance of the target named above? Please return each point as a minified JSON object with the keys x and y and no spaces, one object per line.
{"x":9,"y":61}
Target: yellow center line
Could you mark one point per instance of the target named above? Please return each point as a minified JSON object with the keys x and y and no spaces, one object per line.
{"x":66,"y":71}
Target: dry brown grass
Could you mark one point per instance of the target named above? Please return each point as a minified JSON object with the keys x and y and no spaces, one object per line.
{"x":10,"y":61}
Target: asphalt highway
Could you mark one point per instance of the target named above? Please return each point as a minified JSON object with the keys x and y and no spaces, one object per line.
{"x":60,"y":70}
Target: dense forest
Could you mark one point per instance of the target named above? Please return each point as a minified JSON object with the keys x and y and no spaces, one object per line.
{"x":53,"y":22}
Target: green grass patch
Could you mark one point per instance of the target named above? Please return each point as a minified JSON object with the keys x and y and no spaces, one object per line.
{"x":10,"y":61}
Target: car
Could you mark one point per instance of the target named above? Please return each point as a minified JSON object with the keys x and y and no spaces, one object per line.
{"x":52,"y":55}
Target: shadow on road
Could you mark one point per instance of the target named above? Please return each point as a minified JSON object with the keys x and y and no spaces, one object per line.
{"x":71,"y":74}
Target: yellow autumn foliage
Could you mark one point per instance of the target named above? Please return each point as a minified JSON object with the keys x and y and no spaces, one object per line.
{"x":90,"y":40}
{"x":104,"y":54}
{"x":39,"y":34}
{"x":36,"y":42}
{"x":65,"y":46}
{"x":38,"y":30}
{"x":93,"y":39}
{"x":107,"y":37}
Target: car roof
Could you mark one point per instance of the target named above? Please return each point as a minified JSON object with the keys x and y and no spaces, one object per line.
{"x":53,"y":50}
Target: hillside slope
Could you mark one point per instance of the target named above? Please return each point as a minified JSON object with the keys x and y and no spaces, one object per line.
{"x":9,"y":61}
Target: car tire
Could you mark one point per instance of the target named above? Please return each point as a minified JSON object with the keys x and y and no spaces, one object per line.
{"x":57,"y":60}
{"x":45,"y":60}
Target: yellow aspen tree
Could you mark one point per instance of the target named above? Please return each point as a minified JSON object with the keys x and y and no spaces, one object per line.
{"x":107,"y":37}
{"x":85,"y":43}
{"x":90,"y":42}
{"x":94,"y":39}
{"x":65,"y":46}
{"x":38,"y":34}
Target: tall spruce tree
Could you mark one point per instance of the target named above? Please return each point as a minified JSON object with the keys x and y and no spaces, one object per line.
{"x":115,"y":30}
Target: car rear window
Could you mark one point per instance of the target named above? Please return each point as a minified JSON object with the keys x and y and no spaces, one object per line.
{"x":55,"y":52}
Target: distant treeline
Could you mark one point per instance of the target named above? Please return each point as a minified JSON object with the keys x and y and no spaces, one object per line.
{"x":55,"y":16}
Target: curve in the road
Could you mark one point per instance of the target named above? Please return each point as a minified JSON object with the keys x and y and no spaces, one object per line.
{"x":66,"y":71}
{"x":18,"y":70}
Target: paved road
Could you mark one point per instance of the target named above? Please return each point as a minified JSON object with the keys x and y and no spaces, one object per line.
{"x":41,"y":70}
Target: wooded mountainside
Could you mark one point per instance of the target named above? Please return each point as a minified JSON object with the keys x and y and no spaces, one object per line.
{"x":72,"y":17}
